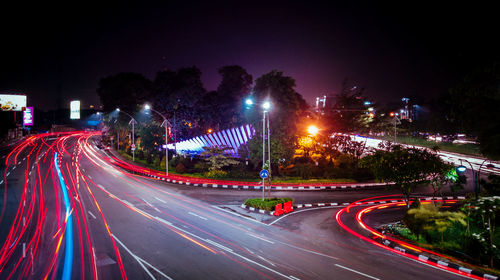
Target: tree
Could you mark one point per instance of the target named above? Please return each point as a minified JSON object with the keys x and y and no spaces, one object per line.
{"x":124,"y":90}
{"x":484,"y":212}
{"x":216,"y":158}
{"x":235,"y":85}
{"x":474,"y":104}
{"x":177,"y":96}
{"x":288,"y":107}
{"x":406,"y":167}
{"x":348,"y":114}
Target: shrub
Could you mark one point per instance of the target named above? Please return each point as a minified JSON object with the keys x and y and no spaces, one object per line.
{"x":268,"y":203}
{"x":216,"y":174}
{"x":200,"y":167}
{"x":180,"y":168}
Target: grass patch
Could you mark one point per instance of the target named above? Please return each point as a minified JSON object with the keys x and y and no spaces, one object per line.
{"x":268,"y":203}
{"x":298,"y":180}
{"x":468,"y":149}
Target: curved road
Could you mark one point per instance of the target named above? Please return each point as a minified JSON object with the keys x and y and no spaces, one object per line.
{"x":69,"y":213}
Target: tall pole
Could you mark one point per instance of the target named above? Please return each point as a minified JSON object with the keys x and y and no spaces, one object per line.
{"x":263,"y":150}
{"x":269,"y":153}
{"x":166,"y":147}
{"x":133,"y":140}
{"x":395,"y":121}
{"x":118,"y":139}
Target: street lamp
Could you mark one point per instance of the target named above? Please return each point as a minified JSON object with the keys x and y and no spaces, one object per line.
{"x":266,"y":106}
{"x":133,"y":122}
{"x":312,"y":130}
{"x":165,"y":124}
{"x":396,"y":121}
{"x":476,"y":187}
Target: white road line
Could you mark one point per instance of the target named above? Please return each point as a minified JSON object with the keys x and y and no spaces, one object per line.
{"x":141,"y":261}
{"x":241,"y":216}
{"x":309,"y":251}
{"x":160,"y":200}
{"x":1,"y":182}
{"x":293,"y":277}
{"x":8,"y":173}
{"x":92,"y":214}
{"x":266,"y":260}
{"x":196,"y":215}
{"x":294,"y":212}
{"x":355,"y":271}
{"x":90,"y":176}
{"x":13,"y":167}
{"x":258,"y":237}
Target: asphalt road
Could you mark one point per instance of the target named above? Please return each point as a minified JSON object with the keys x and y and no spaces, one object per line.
{"x":126,"y":226}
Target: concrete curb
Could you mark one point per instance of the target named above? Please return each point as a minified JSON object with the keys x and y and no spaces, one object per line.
{"x":427,"y":259}
{"x":271,"y":213}
{"x":328,"y":204}
{"x":275,"y":188}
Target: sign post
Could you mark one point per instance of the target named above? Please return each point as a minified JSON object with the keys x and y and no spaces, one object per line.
{"x":263,"y":174}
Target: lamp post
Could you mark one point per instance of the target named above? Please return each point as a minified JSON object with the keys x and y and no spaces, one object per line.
{"x":165,"y":124}
{"x":266,"y":106}
{"x":396,"y":121}
{"x":132,"y":122}
{"x":476,"y":185}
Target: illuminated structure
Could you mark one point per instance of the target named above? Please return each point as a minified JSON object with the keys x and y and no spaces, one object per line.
{"x":232,"y":138}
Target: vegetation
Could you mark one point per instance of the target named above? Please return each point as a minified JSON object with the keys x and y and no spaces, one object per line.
{"x":268,"y":203}
{"x":406,"y":167}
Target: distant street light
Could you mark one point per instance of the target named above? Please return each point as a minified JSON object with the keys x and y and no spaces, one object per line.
{"x":249,"y":101}
{"x":312,"y":130}
{"x":165,"y":124}
{"x":132,"y":122}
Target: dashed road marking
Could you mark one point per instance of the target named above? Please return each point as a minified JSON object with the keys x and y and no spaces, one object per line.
{"x":92,"y":214}
{"x":196,"y":215}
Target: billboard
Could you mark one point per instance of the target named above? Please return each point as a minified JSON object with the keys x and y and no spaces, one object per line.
{"x":10,"y":102}
{"x":28,"y":116}
{"x":74,"y":107}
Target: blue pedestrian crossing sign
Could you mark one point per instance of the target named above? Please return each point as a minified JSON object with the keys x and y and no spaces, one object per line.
{"x":264,"y":174}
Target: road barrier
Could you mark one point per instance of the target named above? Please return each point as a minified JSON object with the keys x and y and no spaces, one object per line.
{"x":288,"y":207}
{"x":278,"y":210}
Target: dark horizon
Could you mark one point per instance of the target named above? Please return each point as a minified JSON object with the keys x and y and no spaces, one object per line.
{"x":391,"y":50}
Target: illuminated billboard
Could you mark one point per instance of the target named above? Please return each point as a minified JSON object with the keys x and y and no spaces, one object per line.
{"x":28,"y":116}
{"x":74,"y":107}
{"x":10,"y":102}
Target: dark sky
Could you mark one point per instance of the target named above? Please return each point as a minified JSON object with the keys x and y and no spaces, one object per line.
{"x":393,"y":50}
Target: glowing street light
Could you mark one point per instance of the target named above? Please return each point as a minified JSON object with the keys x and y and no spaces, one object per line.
{"x":312,"y":130}
{"x":147,"y":106}
{"x":249,"y":101}
{"x":266,"y":105}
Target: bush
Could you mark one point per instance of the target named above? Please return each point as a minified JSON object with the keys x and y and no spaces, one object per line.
{"x":200,"y":167}
{"x":180,"y":168}
{"x":268,"y":203}
{"x":216,"y":174}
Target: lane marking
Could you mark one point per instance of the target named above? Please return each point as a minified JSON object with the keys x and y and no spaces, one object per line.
{"x":160,"y":200}
{"x":258,"y":237}
{"x":355,"y":271}
{"x":8,"y":173}
{"x":141,"y":261}
{"x":1,"y":182}
{"x":92,"y":214}
{"x":269,"y":262}
{"x":196,"y":215}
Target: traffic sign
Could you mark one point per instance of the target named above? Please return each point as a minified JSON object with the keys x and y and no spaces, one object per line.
{"x":132,"y":147}
{"x":264,"y":174}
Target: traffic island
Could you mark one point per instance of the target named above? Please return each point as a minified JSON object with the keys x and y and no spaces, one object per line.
{"x":270,"y":206}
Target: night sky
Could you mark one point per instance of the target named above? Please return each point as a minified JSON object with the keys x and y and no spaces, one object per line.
{"x":392,"y":49}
